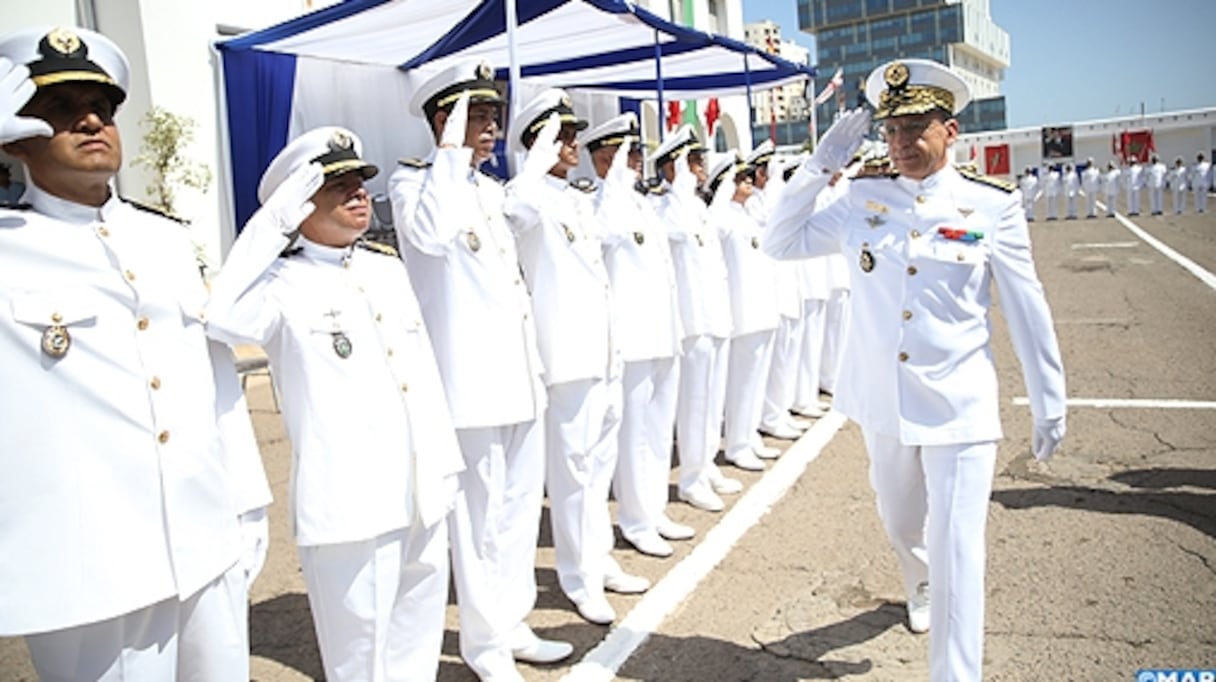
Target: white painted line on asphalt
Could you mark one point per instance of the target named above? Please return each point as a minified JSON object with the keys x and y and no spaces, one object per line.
{"x":605,"y":660}
{"x":1194,"y":268}
{"x":1109,"y":245}
{"x":1138,"y":403}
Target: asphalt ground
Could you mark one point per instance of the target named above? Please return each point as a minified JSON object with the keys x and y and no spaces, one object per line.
{"x":1100,"y":563}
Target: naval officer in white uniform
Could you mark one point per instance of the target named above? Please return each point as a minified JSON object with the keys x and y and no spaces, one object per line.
{"x":1091,"y":185}
{"x":926,"y":244}
{"x":375,"y":456}
{"x":131,"y":490}
{"x":462,"y":262}
{"x":638,"y":258}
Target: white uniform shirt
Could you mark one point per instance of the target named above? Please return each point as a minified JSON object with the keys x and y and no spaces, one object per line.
{"x":115,"y":491}
{"x":372,"y":440}
{"x":1051,"y":183}
{"x":1091,"y":180}
{"x":919,"y":363}
{"x":752,"y":277}
{"x":1133,"y":179}
{"x":1029,"y":184}
{"x":789,"y":300}
{"x":638,"y":258}
{"x":561,"y":255}
{"x":1110,"y":182}
{"x":1072,"y":183}
{"x":1156,"y":175}
{"x":1201,"y":176}
{"x":1178,"y":178}
{"x":461,"y":258}
{"x":696,"y":252}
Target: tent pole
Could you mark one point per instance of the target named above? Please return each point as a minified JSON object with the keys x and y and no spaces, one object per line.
{"x":751,"y":104}
{"x":658,"y":81}
{"x":512,"y":57}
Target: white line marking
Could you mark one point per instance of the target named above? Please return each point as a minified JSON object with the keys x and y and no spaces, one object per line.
{"x":603,"y":662}
{"x":1142,"y":403}
{"x":1110,"y":245}
{"x":1203,"y":275}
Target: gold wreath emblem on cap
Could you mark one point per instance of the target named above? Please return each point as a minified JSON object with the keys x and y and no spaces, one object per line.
{"x":63,"y":41}
{"x":484,"y":72}
{"x":340,"y":140}
{"x":896,"y":75}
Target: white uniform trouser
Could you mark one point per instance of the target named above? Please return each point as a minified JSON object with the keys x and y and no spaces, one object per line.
{"x":835,"y":326}
{"x":1179,"y":199}
{"x":1110,"y":204}
{"x":810,"y":357}
{"x":933,"y":502}
{"x":204,"y":638}
{"x":1156,"y":197}
{"x":699,"y":408}
{"x":1070,"y":205}
{"x":746,"y":374}
{"x":494,"y":528}
{"x":1053,"y":207}
{"x":782,"y":374}
{"x":1201,"y":199}
{"x":582,"y":425}
{"x":379,"y":604}
{"x":1091,"y":204}
{"x":1028,"y":206}
{"x":647,"y":420}
{"x":1133,"y":201}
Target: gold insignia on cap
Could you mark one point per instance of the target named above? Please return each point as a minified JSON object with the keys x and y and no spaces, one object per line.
{"x":896,"y":75}
{"x":340,"y":140}
{"x":63,"y":41}
{"x":484,"y":72}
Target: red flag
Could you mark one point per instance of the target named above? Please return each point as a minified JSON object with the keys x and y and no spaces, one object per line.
{"x":973,"y":152}
{"x":712,"y":112}
{"x":996,"y":159}
{"x":1114,"y":145}
{"x":673,"y":113}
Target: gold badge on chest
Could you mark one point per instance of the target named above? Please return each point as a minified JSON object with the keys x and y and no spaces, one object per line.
{"x":569,"y":233}
{"x":639,"y":238}
{"x":473,"y":240}
{"x":867,"y":258}
{"x":342,"y":345}
{"x":56,"y":341}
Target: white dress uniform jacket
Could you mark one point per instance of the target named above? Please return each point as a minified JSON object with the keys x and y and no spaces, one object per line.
{"x":561,"y":255}
{"x":1091,"y":183}
{"x":372,"y":438}
{"x":116,"y":492}
{"x":696,"y":251}
{"x":461,"y":258}
{"x":938,"y":371}
{"x":638,"y":258}
{"x":789,"y":301}
{"x":1029,"y":184}
{"x":752,"y":277}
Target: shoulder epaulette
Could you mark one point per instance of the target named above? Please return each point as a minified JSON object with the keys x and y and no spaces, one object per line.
{"x":147,"y":208}
{"x":414,"y":162}
{"x":583,"y":184}
{"x":876,"y":168}
{"x":377,"y":247}
{"x":1003,"y":185}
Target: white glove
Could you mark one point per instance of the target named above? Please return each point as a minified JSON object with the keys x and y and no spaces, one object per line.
{"x":841,"y":140}
{"x":619,"y":172}
{"x":16,"y":89}
{"x":255,"y":541}
{"x":291,"y":202}
{"x":457,"y":123}
{"x":1047,"y":436}
{"x":542,"y":155}
{"x":684,"y":184}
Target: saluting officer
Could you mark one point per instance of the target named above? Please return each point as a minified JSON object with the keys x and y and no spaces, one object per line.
{"x":561,"y":255}
{"x":648,"y":333}
{"x":753,"y":305}
{"x":461,"y":258}
{"x":926,"y":242}
{"x":705,"y":312}
{"x":375,"y":454}
{"x":142,"y":520}
{"x":1091,"y":185}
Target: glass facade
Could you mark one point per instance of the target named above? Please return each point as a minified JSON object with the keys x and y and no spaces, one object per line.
{"x":859,"y":35}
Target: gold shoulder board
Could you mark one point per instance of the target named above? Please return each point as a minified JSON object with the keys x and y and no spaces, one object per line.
{"x":413,"y":162}
{"x":377,"y":247}
{"x":148,"y":208}
{"x":997,"y":183}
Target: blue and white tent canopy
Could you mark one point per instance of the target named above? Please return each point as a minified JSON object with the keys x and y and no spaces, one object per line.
{"x":356,"y":63}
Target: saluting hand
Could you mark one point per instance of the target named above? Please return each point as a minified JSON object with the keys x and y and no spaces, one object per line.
{"x":291,"y":202}
{"x":841,"y":140}
{"x":457,"y":124}
{"x":685,"y":183}
{"x":619,"y":172}
{"x":16,"y":89}
{"x":543,"y":154}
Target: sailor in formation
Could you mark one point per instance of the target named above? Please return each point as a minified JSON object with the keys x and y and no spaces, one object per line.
{"x":1133,"y":184}
{"x":1201,"y":181}
{"x":1110,"y":186}
{"x":1028,"y":183}
{"x":1072,"y":185}
{"x":1091,"y":186}
{"x":1155,"y":178}
{"x":1178,"y":183}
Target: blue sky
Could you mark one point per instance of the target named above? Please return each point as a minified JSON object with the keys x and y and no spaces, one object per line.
{"x":1078,"y":60}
